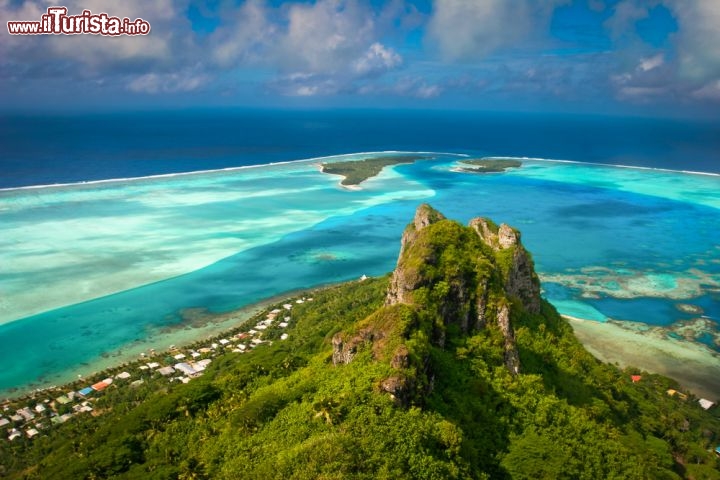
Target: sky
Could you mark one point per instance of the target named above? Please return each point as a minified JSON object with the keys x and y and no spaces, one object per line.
{"x":628,"y":57}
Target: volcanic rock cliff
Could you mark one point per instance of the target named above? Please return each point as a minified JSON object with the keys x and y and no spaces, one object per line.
{"x":449,"y":280}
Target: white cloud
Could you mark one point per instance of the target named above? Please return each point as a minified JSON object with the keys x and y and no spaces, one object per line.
{"x":698,"y":38}
{"x":647,"y":64}
{"x":245,"y":36}
{"x":710,"y":91}
{"x":322,"y":48}
{"x":327,"y":36}
{"x":625,"y":14}
{"x":167,"y":82}
{"x":377,"y":59}
{"x":472,"y":29}
{"x":692,"y":68}
{"x":168,"y":29}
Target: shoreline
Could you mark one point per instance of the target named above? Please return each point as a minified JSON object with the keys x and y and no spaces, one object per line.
{"x":692,"y":365}
{"x":197,"y":326}
{"x":355,"y":188}
{"x":81,"y":183}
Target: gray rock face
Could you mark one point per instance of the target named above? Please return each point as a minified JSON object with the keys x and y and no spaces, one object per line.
{"x":507,"y":237}
{"x":342,"y":353}
{"x":522,"y":282}
{"x":405,"y":280}
{"x":512,"y":360}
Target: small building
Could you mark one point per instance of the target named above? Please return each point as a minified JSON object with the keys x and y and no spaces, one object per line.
{"x":16,"y":418}
{"x":186,"y":369}
{"x":4,"y":421}
{"x":224,"y":341}
{"x":205,"y":350}
{"x":673,"y":393}
{"x":32,"y":432}
{"x":282,"y":324}
{"x":705,"y":404}
{"x":63,"y":400}
{"x":14,"y":434}
{"x":26,"y":414}
{"x":99,"y":386}
{"x":194,"y":354}
{"x":287,"y":306}
{"x":123,"y":376}
{"x":635,"y":378}
{"x":166,"y":371}
{"x":299,"y":301}
{"x":201,"y":365}
{"x":153,"y":365}
{"x":179,"y":356}
{"x":40,"y":408}
{"x":276,"y":311}
{"x":284,"y":336}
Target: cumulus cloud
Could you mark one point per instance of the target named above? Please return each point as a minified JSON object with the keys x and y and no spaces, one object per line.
{"x":647,"y":64}
{"x":625,"y":15}
{"x":245,"y":35}
{"x":377,"y":59}
{"x":326,"y":36}
{"x":651,"y":79}
{"x":472,"y":29}
{"x":691,"y":71}
{"x":698,"y":40}
{"x":323,"y":48}
{"x":166,"y":17}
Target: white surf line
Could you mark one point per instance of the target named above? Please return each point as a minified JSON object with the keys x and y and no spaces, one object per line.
{"x":632,"y":167}
{"x":219,"y":170}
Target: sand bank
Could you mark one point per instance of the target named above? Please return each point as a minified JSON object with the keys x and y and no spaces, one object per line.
{"x":693,"y":365}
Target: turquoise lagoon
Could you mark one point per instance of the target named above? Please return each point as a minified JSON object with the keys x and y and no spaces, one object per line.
{"x":103,"y":270}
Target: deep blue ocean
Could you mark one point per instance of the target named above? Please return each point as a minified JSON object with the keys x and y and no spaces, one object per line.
{"x":39,"y":150}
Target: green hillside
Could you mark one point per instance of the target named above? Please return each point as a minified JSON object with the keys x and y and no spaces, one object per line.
{"x":451,"y":367}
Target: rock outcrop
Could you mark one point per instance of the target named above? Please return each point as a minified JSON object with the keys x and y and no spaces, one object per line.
{"x":405,"y":280}
{"x":521,"y":281}
{"x":450,"y":280}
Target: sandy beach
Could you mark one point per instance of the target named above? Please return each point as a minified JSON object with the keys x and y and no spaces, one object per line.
{"x":693,"y":365}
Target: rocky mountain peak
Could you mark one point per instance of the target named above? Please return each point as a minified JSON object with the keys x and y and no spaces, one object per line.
{"x":449,"y":280}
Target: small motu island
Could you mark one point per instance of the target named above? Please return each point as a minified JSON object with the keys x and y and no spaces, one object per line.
{"x":357,"y":171}
{"x":489,"y":165}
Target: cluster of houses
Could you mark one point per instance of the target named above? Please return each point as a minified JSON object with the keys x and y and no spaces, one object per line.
{"x":181,"y":365}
